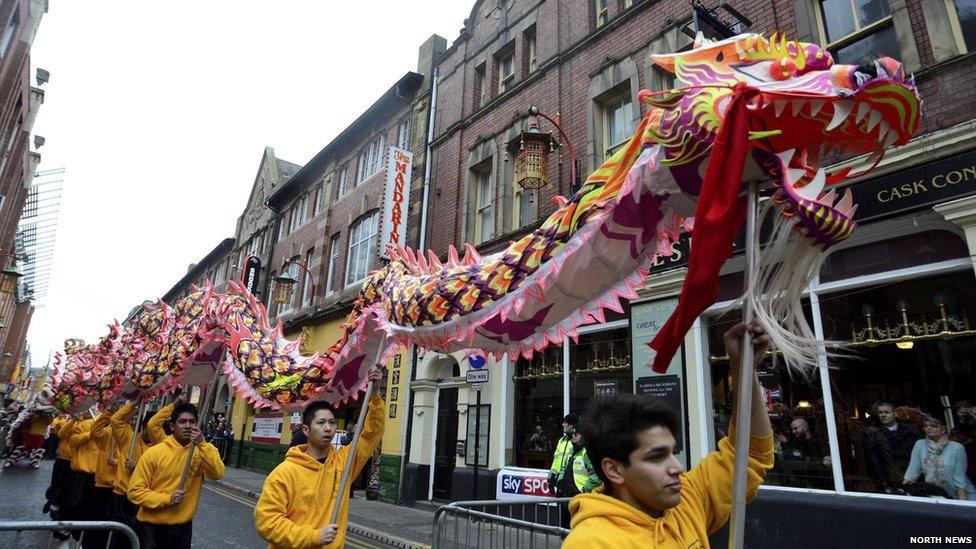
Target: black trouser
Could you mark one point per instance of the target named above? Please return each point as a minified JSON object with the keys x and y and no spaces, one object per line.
{"x":167,"y":536}
{"x":59,"y":475}
{"x":124,"y":511}
{"x":96,"y":506}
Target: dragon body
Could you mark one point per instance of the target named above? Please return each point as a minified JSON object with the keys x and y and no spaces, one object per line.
{"x":788,"y":104}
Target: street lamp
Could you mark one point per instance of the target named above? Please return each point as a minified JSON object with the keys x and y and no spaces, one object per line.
{"x":531,"y":150}
{"x":285,"y":282}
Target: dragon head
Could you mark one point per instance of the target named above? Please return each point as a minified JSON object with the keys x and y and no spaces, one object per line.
{"x":801,"y":109}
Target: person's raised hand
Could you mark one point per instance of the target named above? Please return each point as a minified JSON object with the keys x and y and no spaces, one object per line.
{"x":130,"y":465}
{"x":375,"y":373}
{"x":733,"y":339}
{"x":329,"y":533}
{"x":176,"y":497}
{"x":196,"y":435}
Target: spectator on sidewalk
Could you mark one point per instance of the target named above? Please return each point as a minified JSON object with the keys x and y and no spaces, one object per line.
{"x":165,"y":511}
{"x":562,"y":458}
{"x":300,"y":494}
{"x":647,"y":499}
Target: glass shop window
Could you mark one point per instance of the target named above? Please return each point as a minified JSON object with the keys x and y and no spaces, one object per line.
{"x":913,"y":356}
{"x":599,"y":366}
{"x":897,"y":253}
{"x":539,"y":413}
{"x":795,"y":406}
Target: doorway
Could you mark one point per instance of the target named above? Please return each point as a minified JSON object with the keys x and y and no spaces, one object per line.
{"x":446,"y":445}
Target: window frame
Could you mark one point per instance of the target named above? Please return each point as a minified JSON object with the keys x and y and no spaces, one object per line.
{"x":293,"y":271}
{"x":9,"y":31}
{"x":859,"y":32}
{"x":483,"y":176}
{"x":607,"y":111}
{"x":333,"y":261}
{"x":307,"y":283}
{"x":299,"y":213}
{"x":342,"y":187}
{"x":505,"y":81}
{"x":371,"y":158}
{"x":404,"y":131}
{"x":356,"y":239}
{"x":601,"y":10}
{"x":531,"y":50}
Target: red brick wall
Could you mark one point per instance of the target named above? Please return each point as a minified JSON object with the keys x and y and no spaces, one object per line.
{"x":562,"y":29}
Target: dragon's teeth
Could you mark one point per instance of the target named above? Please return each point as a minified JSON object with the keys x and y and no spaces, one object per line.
{"x":862,"y":109}
{"x":842,"y":109}
{"x":797,"y":107}
{"x":815,"y":107}
{"x":794,"y":174}
{"x":890,"y":139}
{"x":811,"y":190}
{"x":873,"y":119}
{"x":779,"y":105}
{"x":882,"y":131}
{"x":786,"y":156}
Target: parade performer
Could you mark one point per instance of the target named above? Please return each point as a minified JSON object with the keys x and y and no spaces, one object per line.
{"x":647,"y":499}
{"x":106,"y":471}
{"x":300,"y":493}
{"x":166,"y":512}
{"x":83,"y":499}
{"x":30,"y":435}
{"x":123,"y":510}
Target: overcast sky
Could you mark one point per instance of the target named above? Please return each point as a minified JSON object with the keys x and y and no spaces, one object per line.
{"x":160,"y":111}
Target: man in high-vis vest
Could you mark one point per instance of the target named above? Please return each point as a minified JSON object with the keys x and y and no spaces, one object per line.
{"x":584,"y":475}
{"x":562,"y":459}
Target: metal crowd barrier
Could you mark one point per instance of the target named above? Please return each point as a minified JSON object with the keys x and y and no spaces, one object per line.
{"x":68,"y":526}
{"x":500,"y":523}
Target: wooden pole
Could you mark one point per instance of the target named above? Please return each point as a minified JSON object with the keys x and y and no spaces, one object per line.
{"x":136,"y":430}
{"x":363,"y":409}
{"x":743,"y":413}
{"x":211,"y":388}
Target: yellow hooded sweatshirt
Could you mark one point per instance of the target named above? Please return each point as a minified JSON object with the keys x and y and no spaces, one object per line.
{"x":155,"y":423}
{"x":84,"y":447}
{"x":101,"y":433}
{"x":65,"y":428}
{"x":602,"y":521}
{"x":123,"y":438}
{"x":300,"y":493}
{"x":157,"y":476}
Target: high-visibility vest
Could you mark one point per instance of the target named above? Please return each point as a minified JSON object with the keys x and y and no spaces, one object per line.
{"x":584,"y":475}
{"x":564,"y":449}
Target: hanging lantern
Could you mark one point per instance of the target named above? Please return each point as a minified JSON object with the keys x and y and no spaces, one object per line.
{"x":531,"y":150}
{"x":8,"y":283}
{"x":284,"y":285}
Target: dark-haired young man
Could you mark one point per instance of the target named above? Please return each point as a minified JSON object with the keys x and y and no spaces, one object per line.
{"x":647,"y":499}
{"x":166,"y":512}
{"x":300,"y":493}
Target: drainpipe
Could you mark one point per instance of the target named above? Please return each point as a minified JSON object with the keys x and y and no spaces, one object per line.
{"x":408,"y":428}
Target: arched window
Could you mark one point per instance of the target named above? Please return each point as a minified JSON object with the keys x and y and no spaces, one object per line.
{"x":362,"y":248}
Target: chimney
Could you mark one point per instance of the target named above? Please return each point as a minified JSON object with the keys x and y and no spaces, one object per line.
{"x":430,"y":51}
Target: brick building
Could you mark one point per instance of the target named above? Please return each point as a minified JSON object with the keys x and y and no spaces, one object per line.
{"x":328,"y":231}
{"x":19,"y":104}
{"x":587,"y":60}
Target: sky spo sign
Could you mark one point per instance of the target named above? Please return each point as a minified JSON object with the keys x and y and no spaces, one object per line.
{"x":399,"y":165}
{"x":515,"y":483}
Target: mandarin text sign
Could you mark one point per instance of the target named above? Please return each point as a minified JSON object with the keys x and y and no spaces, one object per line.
{"x":399,"y":166}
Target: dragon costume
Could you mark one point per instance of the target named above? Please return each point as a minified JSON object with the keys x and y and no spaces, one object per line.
{"x":745,"y":109}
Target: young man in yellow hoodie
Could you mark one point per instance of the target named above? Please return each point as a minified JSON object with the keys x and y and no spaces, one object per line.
{"x":647,"y":499}
{"x":166,"y":512}
{"x":300,"y":494}
{"x":122,"y":509}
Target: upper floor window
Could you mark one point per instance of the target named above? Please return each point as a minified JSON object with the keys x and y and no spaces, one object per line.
{"x":9,"y":31}
{"x":362,"y":248}
{"x":371,"y":158}
{"x":602,"y":11}
{"x":966,"y":11}
{"x":333,"y":263}
{"x":403,"y":133}
{"x":484,"y":197}
{"x":858,"y":30}
{"x":319,"y":198}
{"x":506,"y":71}
{"x":299,"y":212}
{"x":283,"y":227}
{"x":616,"y":123}
{"x":480,"y":85}
{"x":531,"y":52}
{"x":525,"y":210}
{"x":308,"y":292}
{"x":343,"y":186}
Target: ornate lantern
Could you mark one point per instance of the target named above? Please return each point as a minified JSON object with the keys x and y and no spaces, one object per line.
{"x":8,"y":283}
{"x":531,"y":150}
{"x":284,"y":285}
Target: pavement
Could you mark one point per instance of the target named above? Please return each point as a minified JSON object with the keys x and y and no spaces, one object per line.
{"x":376,"y":521}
